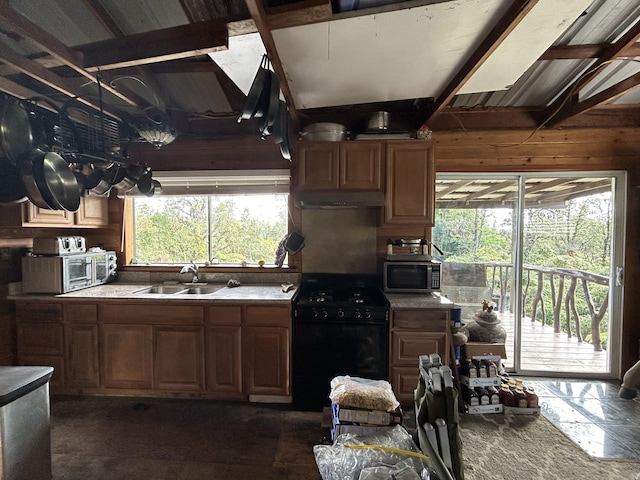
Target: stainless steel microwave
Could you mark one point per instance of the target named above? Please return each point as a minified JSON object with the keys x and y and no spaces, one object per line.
{"x":411,"y":277}
{"x":66,"y":273}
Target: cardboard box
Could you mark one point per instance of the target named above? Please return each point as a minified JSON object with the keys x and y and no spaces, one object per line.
{"x":522,"y":411}
{"x":484,"y":351}
{"x":480,"y":382}
{"x":359,"y":416}
{"x":481,"y":409}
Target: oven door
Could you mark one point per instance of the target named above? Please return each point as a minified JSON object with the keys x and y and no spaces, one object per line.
{"x":325,"y":348}
{"x":76,"y":272}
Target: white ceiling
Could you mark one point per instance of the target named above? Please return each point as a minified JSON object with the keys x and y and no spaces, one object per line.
{"x":412,"y":53}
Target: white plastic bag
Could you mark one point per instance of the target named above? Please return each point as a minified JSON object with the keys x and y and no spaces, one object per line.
{"x":360,"y":392}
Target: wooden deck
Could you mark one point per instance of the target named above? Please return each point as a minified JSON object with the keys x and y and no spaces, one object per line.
{"x":548,"y":352}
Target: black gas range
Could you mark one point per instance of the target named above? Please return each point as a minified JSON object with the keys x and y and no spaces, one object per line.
{"x":340,"y":327}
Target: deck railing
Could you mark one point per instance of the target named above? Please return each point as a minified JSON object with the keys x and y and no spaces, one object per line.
{"x":499,"y":276}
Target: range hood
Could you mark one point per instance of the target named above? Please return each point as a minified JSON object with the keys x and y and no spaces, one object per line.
{"x":339,"y":199}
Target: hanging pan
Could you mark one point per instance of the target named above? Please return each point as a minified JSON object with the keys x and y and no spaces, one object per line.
{"x":25,"y":164}
{"x":55,"y":180}
{"x":259,"y":85}
{"x":16,"y":137}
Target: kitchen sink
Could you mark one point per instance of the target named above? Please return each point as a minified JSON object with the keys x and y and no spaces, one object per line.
{"x":162,"y":290}
{"x":200,"y":290}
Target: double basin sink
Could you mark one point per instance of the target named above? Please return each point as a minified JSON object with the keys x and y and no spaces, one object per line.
{"x":184,"y":289}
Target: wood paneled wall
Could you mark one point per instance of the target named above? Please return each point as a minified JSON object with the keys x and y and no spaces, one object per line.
{"x":561,"y":150}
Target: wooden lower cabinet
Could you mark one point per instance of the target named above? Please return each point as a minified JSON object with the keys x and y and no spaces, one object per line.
{"x":266,"y":360}
{"x":224,"y":349}
{"x":178,"y":363}
{"x":83,"y":364}
{"x":126,"y":356}
{"x":266,"y":355}
{"x":81,"y":345}
{"x":219,"y":351}
{"x":40,"y":338}
{"x":415,"y":332}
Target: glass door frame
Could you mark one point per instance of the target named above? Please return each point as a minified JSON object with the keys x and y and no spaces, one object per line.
{"x":616,"y":290}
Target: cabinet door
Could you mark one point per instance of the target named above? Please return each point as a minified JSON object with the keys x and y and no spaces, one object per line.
{"x":42,"y":217}
{"x":407,"y":346}
{"x":318,"y":166}
{"x":224,"y":358}
{"x":266,"y":360}
{"x":82,"y":355}
{"x":410,"y":192}
{"x":179,"y":358}
{"x":361,"y":166}
{"x":93,"y":212}
{"x":126,"y":356}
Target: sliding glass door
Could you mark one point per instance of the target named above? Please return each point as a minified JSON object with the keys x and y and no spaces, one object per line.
{"x":546,"y":251}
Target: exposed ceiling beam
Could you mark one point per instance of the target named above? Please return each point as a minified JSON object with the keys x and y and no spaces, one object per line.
{"x":561,"y":108}
{"x":50,"y":44}
{"x":452,"y":188}
{"x":300,"y":13}
{"x":48,"y":78}
{"x":259,"y":16}
{"x":157,"y":46}
{"x":575,"y":52}
{"x":509,"y":21}
{"x":607,"y":95}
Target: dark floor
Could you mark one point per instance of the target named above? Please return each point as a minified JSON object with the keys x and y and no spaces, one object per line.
{"x":119,"y":438}
{"x":592,"y":415}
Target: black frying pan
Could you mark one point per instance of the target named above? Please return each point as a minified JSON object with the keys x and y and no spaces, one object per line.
{"x":256,"y":91}
{"x":16,"y":137}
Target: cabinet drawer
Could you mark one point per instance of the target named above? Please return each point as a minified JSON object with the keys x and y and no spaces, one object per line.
{"x":404,"y":381}
{"x":38,"y":312}
{"x":225,"y":315}
{"x":406,"y":347}
{"x":275,"y":316}
{"x":80,"y":312}
{"x":151,"y":313}
{"x":426,"y":320}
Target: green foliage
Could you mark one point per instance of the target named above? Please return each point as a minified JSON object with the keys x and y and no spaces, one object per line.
{"x":574,"y":237}
{"x":199,"y":228}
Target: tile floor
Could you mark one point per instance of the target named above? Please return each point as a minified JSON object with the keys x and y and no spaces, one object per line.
{"x":592,"y":415}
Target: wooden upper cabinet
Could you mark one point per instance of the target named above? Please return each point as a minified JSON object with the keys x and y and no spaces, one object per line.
{"x":361,"y":166}
{"x":410,"y":184}
{"x":340,"y":165}
{"x":92,"y":213}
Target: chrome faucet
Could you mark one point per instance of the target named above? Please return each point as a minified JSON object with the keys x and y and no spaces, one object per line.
{"x":191,"y":268}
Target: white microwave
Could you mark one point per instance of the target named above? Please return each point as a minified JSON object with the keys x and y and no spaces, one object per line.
{"x":66,"y":273}
{"x":411,"y":277}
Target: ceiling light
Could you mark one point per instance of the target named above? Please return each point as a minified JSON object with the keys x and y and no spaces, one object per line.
{"x":157,"y":134}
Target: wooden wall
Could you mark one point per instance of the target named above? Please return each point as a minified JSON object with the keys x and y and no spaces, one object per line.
{"x":455,"y":151}
{"x":561,"y":150}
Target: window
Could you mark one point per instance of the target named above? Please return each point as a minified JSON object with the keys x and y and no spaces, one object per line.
{"x":244,"y":221}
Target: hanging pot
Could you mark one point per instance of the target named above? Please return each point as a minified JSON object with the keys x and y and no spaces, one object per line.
{"x":55,"y":180}
{"x":145,"y":183}
{"x":88,"y":176}
{"x":132,"y":173}
{"x":15,"y":130}
{"x":113,"y":174}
